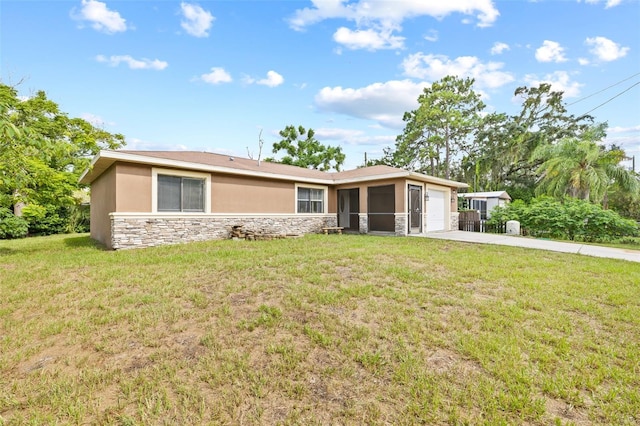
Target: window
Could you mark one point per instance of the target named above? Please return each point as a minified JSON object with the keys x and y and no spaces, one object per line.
{"x":310,"y":200}
{"x":481,"y":206}
{"x":180,"y":194}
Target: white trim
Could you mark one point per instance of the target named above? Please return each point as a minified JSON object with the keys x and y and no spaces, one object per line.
{"x":94,"y":160}
{"x":325,"y":197}
{"x":155,"y":171}
{"x":423,"y":203}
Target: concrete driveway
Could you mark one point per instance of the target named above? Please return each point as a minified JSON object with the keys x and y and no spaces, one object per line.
{"x":516,"y":241}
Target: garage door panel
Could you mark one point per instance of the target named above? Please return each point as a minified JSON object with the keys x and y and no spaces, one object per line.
{"x":436,"y":209}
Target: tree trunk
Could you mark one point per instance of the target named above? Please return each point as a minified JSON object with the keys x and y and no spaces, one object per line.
{"x":447,"y":154}
{"x":17,"y":208}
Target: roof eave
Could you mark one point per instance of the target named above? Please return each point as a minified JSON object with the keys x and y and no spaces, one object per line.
{"x":436,"y":180}
{"x":113,"y":156}
{"x":106,"y":158}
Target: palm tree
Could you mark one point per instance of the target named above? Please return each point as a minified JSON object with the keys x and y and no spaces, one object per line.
{"x":581,"y":168}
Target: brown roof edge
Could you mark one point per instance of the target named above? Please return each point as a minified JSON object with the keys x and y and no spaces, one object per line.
{"x":206,"y":161}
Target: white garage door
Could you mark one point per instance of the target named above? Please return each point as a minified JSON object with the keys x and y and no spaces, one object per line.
{"x":436,"y":211}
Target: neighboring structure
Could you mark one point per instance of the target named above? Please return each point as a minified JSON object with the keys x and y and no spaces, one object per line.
{"x":148,"y":198}
{"x":484,"y":202}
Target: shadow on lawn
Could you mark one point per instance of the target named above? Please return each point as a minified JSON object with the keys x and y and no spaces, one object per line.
{"x":84,"y":241}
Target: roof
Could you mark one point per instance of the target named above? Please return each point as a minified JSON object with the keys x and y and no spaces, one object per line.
{"x":210,"y":162}
{"x":492,"y":194}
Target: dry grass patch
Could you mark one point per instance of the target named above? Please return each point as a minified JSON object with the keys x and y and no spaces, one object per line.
{"x":317,"y":330}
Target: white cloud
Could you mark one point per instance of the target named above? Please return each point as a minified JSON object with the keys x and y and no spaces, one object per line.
{"x":384,"y":103}
{"x":499,"y":47}
{"x":273,"y":79}
{"x":101,"y":18}
{"x":628,"y":138}
{"x":367,"y":39}
{"x":391,"y":14}
{"x":608,"y":3}
{"x":95,"y":120}
{"x":216,"y":76}
{"x":353,"y":137}
{"x":550,"y":51}
{"x":142,"y":145}
{"x":197,"y":21}
{"x":432,"y":36}
{"x":560,"y":81}
{"x":620,"y":129}
{"x":583,"y":61}
{"x":134,"y":64}
{"x":605,"y":49}
{"x":434,"y":67}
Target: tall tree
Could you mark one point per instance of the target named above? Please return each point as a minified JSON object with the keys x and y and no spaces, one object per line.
{"x":580,"y":168}
{"x":505,"y":143}
{"x":42,"y":153}
{"x":304,"y":150}
{"x":440,"y":129}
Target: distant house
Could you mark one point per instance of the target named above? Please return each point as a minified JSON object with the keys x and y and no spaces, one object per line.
{"x":484,"y":202}
{"x":148,"y":198}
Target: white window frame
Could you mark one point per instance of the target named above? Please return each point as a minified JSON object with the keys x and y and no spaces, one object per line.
{"x":180,"y":173}
{"x":325,"y":196}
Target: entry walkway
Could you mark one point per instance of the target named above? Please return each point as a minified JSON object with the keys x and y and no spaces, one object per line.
{"x":516,"y":241}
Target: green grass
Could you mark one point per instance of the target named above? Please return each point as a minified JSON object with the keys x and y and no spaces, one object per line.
{"x":317,"y":330}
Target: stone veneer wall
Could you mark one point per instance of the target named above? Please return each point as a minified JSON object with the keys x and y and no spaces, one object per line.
{"x":401,"y":224}
{"x":455,"y":221}
{"x":363,"y":225}
{"x":134,"y":231}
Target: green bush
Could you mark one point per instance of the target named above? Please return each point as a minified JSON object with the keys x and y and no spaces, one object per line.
{"x":12,"y":226}
{"x":45,"y":220}
{"x":78,"y":218}
{"x":572,"y":219}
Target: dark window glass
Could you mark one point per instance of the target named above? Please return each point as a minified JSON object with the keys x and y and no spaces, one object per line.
{"x":310,"y":200}
{"x":180,"y":194}
{"x":169,"y":193}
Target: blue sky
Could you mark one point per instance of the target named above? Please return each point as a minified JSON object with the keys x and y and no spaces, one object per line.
{"x":210,"y":75}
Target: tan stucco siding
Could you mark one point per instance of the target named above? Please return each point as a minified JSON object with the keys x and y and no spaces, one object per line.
{"x":399,"y":192}
{"x":454,"y":199}
{"x":103,"y":202}
{"x":134,"y":188}
{"x":332,"y":200}
{"x":233,"y":194}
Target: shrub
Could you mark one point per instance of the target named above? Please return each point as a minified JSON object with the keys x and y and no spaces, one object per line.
{"x":45,"y":220}
{"x":12,"y":226}
{"x":572,"y":219}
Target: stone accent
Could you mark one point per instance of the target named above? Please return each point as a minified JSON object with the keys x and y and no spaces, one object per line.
{"x":134,"y":231}
{"x":401,"y":224}
{"x":363,"y":224}
{"x":455,"y":221}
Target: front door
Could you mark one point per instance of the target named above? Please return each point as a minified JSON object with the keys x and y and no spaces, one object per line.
{"x":415,"y":209}
{"x":343,"y":209}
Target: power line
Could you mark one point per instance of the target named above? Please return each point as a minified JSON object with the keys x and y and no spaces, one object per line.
{"x":612,"y":98}
{"x":606,"y":88}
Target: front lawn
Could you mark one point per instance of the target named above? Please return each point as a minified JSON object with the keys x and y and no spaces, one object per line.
{"x":317,"y":330}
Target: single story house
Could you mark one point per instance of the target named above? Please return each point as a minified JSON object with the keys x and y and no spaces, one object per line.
{"x":484,"y":202}
{"x":148,"y":198}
